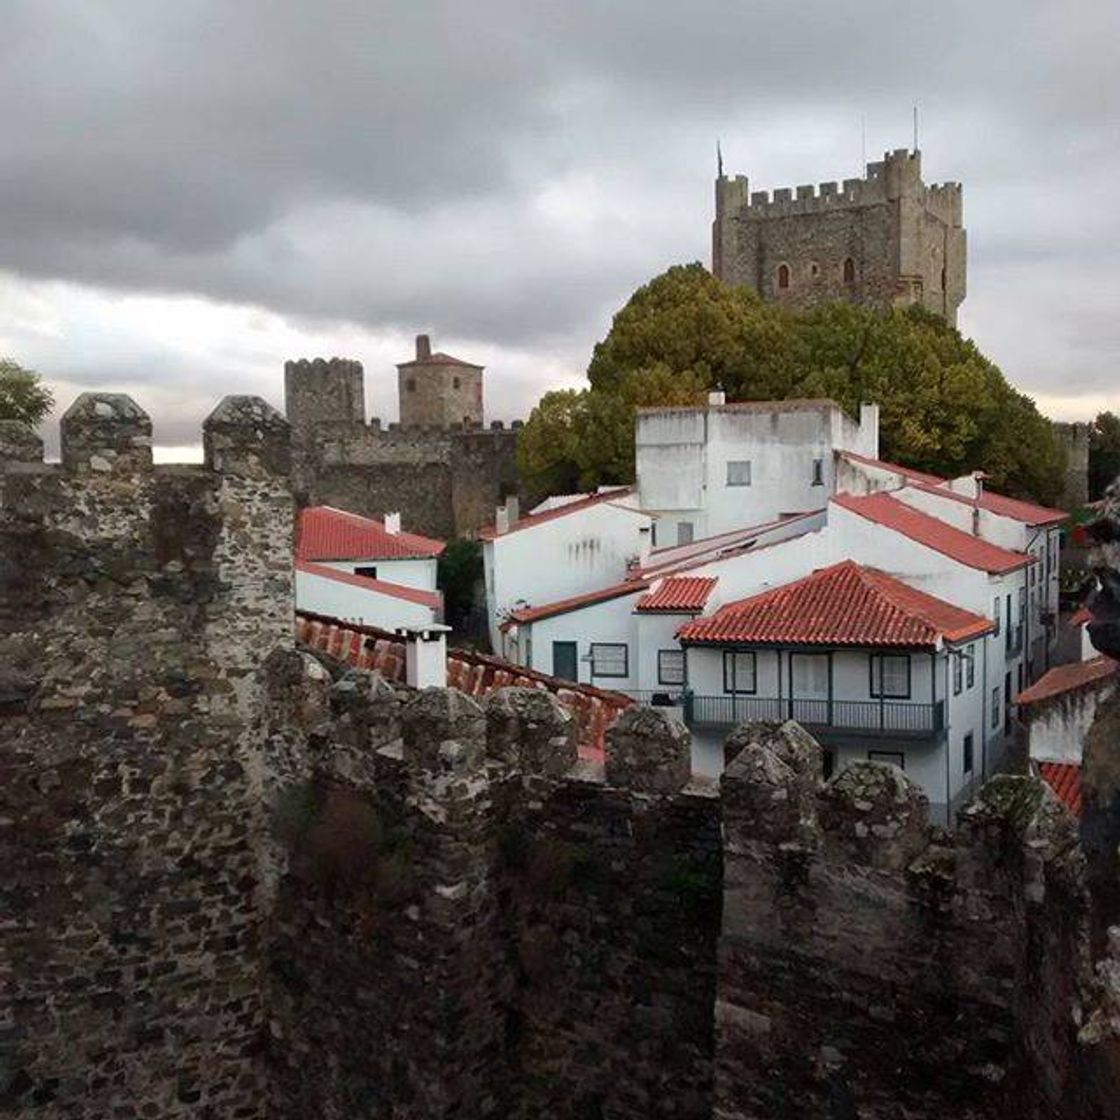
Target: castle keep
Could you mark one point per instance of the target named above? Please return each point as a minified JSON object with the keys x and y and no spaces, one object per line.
{"x":439,"y":466}
{"x":246,"y":883}
{"x":887,"y":239}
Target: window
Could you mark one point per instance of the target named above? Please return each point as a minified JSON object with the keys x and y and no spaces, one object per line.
{"x":995,"y":616}
{"x":970,"y":667}
{"x":890,"y":676}
{"x":783,"y":276}
{"x":895,"y":758}
{"x":849,"y":271}
{"x":809,"y":672}
{"x":943,"y":278}
{"x":995,"y":706}
{"x":1022,"y":605}
{"x":967,"y":752}
{"x":610,"y":659}
{"x":739,"y":472}
{"x":670,"y":666}
{"x":739,"y":671}
{"x":818,"y":472}
{"x":814,"y":269}
{"x":828,"y":761}
{"x":454,"y":383}
{"x":368,"y":571}
{"x":684,"y":532}
{"x":958,"y":673}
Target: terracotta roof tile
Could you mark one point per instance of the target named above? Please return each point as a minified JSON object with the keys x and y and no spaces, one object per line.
{"x":1067,"y":678}
{"x":973,"y":552}
{"x":326,"y":533}
{"x":439,"y":358}
{"x":477,"y":674}
{"x":843,"y":605}
{"x":678,"y":593}
{"x":380,"y":586}
{"x":1064,"y":778}
{"x":490,"y":532}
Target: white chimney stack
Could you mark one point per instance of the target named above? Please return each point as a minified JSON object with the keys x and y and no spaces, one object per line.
{"x":393,"y":523}
{"x":717,"y":396}
{"x":869,"y":429}
{"x":425,"y":655}
{"x":645,"y":545}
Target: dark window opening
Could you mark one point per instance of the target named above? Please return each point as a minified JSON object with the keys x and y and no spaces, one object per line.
{"x":455,"y":383}
{"x":849,"y":271}
{"x":818,"y":472}
{"x":968,"y":753}
{"x":783,"y":276}
{"x":368,"y":571}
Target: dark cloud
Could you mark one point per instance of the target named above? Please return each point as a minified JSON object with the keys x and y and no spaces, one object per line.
{"x":509,"y":171}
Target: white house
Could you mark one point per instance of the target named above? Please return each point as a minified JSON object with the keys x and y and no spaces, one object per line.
{"x":706,"y":470}
{"x":562,"y":551}
{"x":362,"y":570}
{"x":874,"y":668}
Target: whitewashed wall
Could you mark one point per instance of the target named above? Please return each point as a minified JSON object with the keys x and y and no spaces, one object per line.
{"x":322,"y":595}
{"x":1056,"y":728}
{"x":418,"y":573}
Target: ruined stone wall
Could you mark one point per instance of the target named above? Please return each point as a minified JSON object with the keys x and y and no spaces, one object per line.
{"x":134,"y":602}
{"x":1074,"y":438}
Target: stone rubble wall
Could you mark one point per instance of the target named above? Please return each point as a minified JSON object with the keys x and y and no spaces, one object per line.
{"x":244,"y":881}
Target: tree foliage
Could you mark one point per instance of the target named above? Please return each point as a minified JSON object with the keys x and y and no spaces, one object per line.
{"x":1104,"y":452}
{"x":945,"y":408}
{"x":23,"y":396}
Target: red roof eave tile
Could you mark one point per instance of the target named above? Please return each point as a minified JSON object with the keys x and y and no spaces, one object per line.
{"x":1064,"y":778}
{"x":326,"y":533}
{"x":575,"y":602}
{"x":677,"y":594}
{"x":1068,"y":678}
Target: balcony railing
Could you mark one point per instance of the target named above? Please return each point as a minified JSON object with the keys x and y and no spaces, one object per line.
{"x":887,"y":717}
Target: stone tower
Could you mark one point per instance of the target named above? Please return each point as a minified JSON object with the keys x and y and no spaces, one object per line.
{"x":885,"y":239}
{"x":1075,"y":439}
{"x":437,"y":390}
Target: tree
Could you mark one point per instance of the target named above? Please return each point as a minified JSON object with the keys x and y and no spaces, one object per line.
{"x":945,"y":408}
{"x":23,"y":397}
{"x":1104,"y":452}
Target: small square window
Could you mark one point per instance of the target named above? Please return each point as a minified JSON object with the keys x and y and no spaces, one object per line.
{"x":670,"y":666}
{"x":739,"y":671}
{"x":609,"y":659}
{"x":739,"y":472}
{"x":818,"y":472}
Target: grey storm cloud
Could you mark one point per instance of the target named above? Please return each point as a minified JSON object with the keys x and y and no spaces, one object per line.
{"x":511,"y":170}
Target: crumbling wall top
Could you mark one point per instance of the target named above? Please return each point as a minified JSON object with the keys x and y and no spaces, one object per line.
{"x":106,"y":433}
{"x":246,"y":436}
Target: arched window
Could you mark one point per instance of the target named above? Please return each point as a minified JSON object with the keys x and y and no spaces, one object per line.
{"x":849,"y":270}
{"x":814,"y":269}
{"x":783,"y":276}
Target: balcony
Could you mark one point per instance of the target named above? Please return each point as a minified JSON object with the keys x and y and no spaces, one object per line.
{"x":825,"y":718}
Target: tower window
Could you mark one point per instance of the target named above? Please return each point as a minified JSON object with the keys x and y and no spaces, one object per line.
{"x":454,"y":383}
{"x":783,"y":276}
{"x":943,"y":278}
{"x":814,"y":269}
{"x":411,"y":384}
{"x":849,"y":270}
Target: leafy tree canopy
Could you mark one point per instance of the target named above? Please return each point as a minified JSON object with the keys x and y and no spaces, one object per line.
{"x":23,"y":396}
{"x":945,"y":408}
{"x":1104,"y":452}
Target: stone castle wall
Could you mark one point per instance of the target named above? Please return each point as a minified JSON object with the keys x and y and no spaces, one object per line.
{"x":905,"y":239}
{"x":1075,"y":439}
{"x":445,"y":481}
{"x":244,"y":882}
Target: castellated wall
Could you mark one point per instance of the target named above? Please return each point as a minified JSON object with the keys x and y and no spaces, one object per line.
{"x":444,"y":480}
{"x":904,"y":239}
{"x":241,"y":881}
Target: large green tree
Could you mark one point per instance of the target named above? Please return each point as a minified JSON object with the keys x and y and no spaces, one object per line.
{"x":23,"y":396}
{"x":1104,"y":452}
{"x":945,"y":408}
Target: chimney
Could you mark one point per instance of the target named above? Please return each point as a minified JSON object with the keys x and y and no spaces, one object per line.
{"x":393,"y":523}
{"x":978,"y":478}
{"x":507,"y":515}
{"x":425,"y":655}
{"x":501,"y":521}
{"x":645,"y":544}
{"x":869,"y":429}
{"x":423,"y":347}
{"x":717,"y":396}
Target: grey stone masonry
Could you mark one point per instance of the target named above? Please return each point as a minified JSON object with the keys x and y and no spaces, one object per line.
{"x":246,"y":435}
{"x":106,"y":433}
{"x":648,"y":751}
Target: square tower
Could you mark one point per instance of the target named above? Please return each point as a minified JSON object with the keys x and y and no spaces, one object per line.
{"x":886,"y":239}
{"x":437,"y":390}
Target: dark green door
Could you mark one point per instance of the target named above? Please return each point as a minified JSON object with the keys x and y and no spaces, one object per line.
{"x":564,"y":661}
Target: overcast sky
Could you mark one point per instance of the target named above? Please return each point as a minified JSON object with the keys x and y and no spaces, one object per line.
{"x":193,"y":191}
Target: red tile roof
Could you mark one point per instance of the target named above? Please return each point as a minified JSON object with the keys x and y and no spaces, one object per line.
{"x":958,"y":545}
{"x":490,"y":532}
{"x":894,"y":468}
{"x":1066,"y":678}
{"x":439,"y":358}
{"x":1015,"y":509}
{"x":1064,"y":778}
{"x":587,"y":599}
{"x":678,"y":593}
{"x":843,"y":605}
{"x":373,"y":649}
{"x":326,"y":533}
{"x":380,"y":586}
